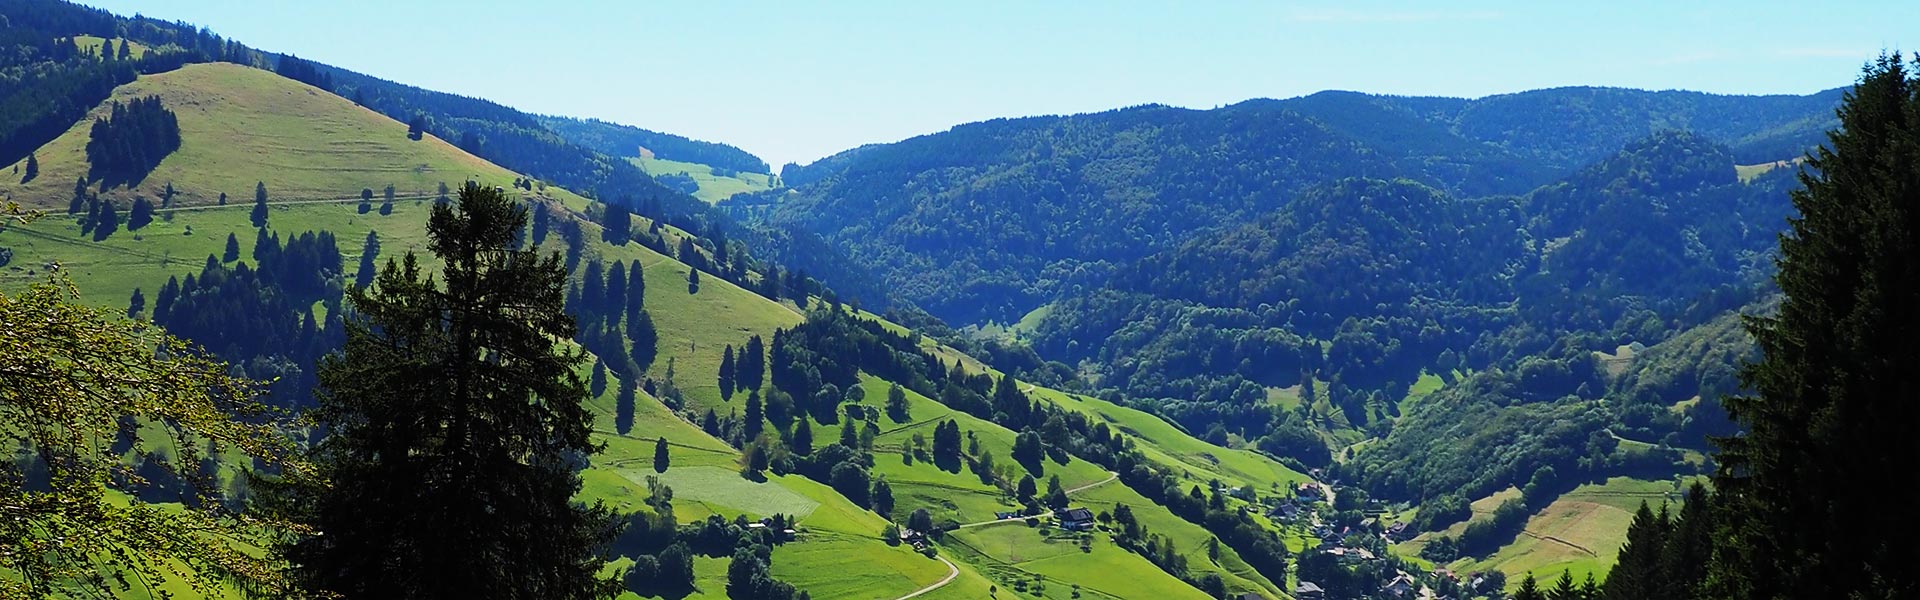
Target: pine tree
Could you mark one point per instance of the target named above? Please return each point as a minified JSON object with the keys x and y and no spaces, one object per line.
{"x":644,"y":340}
{"x":597,"y":382}
{"x":366,"y":200}
{"x":1563,"y":589}
{"x":615,"y":301}
{"x":369,"y":255}
{"x":661,"y":458}
{"x":726,"y":374}
{"x":260,"y":204}
{"x":636,"y":290}
{"x":33,"y":168}
{"x":756,"y":413}
{"x":881,"y":498}
{"x":136,"y":305}
{"x":1636,"y":575}
{"x":623,"y":407}
{"x":1835,"y":392}
{"x":461,"y":377}
{"x":107,"y":222}
{"x":141,"y":214}
{"x":802,"y":442}
{"x":233,"y":249}
{"x":693,"y":281}
{"x":1529,"y":590}
{"x":750,"y":370}
{"x":1689,"y":546}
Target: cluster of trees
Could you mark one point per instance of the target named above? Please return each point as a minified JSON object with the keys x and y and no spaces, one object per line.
{"x":132,"y":140}
{"x":55,"y":83}
{"x":618,"y":140}
{"x":303,"y":71}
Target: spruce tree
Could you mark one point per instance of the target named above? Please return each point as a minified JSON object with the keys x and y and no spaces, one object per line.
{"x":457,"y":429}
{"x":1835,"y":395}
{"x":1529,"y":590}
{"x":661,"y":458}
{"x":233,"y":249}
{"x":802,"y":442}
{"x":259,"y":204}
{"x":645,"y":340}
{"x":750,"y":370}
{"x":33,"y":168}
{"x":369,"y":255}
{"x":1636,"y":573}
{"x":136,"y":305}
{"x":726,"y":373}
{"x":756,"y":412}
{"x":623,"y":408}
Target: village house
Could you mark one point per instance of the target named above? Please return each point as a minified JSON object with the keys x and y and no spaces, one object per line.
{"x":1075,"y":519}
{"x":1308,"y":590}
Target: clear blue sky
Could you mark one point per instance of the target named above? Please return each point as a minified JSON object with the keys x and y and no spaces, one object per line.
{"x":795,"y":81}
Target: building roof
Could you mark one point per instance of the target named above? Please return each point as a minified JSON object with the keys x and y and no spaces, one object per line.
{"x":1076,"y":514}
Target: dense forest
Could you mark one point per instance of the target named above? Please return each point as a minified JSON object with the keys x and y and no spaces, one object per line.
{"x":991,"y":220}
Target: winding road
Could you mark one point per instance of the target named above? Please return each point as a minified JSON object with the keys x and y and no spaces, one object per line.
{"x":952,"y":572}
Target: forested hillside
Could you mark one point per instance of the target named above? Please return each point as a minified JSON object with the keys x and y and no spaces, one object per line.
{"x":988,"y":221}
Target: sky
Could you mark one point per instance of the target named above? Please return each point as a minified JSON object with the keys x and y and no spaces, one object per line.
{"x":796,"y":81}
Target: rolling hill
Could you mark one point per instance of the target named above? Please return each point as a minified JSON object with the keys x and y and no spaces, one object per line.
{"x":345,"y":147}
{"x":988,"y":221}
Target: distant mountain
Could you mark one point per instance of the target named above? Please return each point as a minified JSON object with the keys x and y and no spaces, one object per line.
{"x":987,"y":221}
{"x":614,"y":139}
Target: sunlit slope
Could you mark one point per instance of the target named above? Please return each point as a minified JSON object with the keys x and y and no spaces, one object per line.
{"x":240,"y":126}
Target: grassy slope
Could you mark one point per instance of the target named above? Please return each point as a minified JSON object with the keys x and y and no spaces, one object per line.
{"x":1581,"y":531}
{"x":245,"y":125}
{"x":962,"y":498}
{"x":91,"y":43}
{"x":713,"y":188}
{"x":690,"y":324}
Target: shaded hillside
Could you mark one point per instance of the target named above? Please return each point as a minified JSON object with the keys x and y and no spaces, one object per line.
{"x":1357,"y":291}
{"x":990,"y":220}
{"x":614,"y":139}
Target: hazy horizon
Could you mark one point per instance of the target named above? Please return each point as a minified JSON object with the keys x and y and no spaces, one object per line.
{"x":794,"y":83}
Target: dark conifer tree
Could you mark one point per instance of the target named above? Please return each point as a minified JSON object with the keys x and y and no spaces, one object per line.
{"x":541,"y":221}
{"x":616,"y":224}
{"x":107,"y":222}
{"x":802,"y":442}
{"x":232,"y":252}
{"x":623,"y":407}
{"x":457,"y":429}
{"x":616,"y":291}
{"x":369,"y":255}
{"x":636,"y":290}
{"x":726,"y":373}
{"x":1836,"y":396}
{"x":1636,"y":575}
{"x":645,"y":340}
{"x":597,"y":382}
{"x":141,"y":215}
{"x":693,"y":281}
{"x":33,"y":168}
{"x":755,"y":414}
{"x":661,"y":459}
{"x":136,"y":305}
{"x":260,"y":204}
{"x":1529,"y":590}
{"x":750,"y":370}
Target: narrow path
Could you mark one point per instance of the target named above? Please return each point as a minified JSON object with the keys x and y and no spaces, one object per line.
{"x":952,"y":572}
{"x":1110,"y":478}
